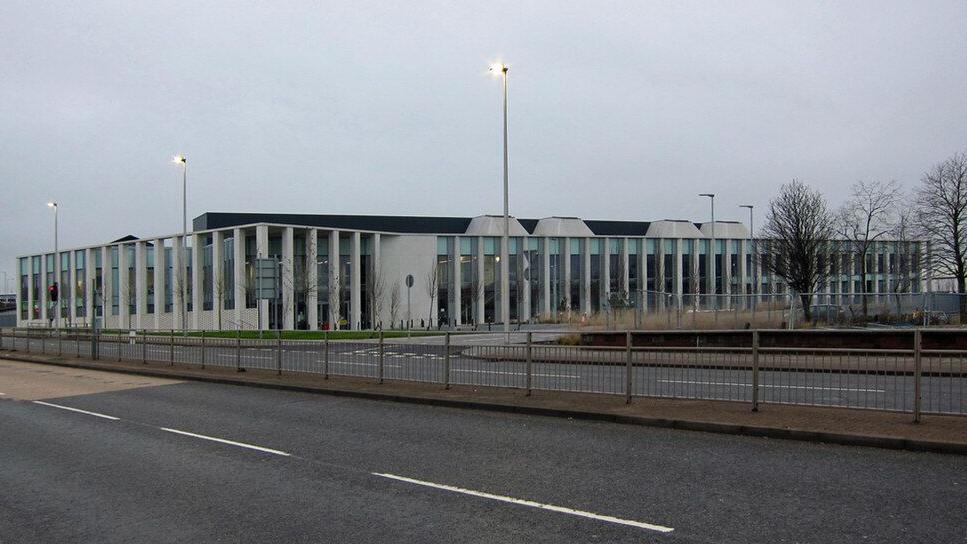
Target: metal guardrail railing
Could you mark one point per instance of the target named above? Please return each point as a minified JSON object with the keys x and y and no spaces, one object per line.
{"x":913,"y":380}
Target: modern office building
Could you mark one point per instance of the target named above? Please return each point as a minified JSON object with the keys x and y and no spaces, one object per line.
{"x":367,"y":271}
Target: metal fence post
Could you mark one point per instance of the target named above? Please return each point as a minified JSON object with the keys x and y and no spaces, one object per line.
{"x":325,"y":356}
{"x":120,"y":343}
{"x":917,"y":373}
{"x":171,"y":349}
{"x":530,"y":363}
{"x":144,"y":346}
{"x":381,"y":351}
{"x":60,"y":346}
{"x":278,"y":355}
{"x":203,"y":349}
{"x":755,"y":370}
{"x":628,"y":354}
{"x":238,"y":349}
{"x":446,"y":361}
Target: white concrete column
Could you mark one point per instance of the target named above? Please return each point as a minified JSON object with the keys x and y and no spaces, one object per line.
{"x":457,"y":284}
{"x":566,"y":267}
{"x":140,"y":283}
{"x":218,"y":280}
{"x":312,"y":278}
{"x":335,"y":281}
{"x":586,"y":276}
{"x":159,"y":281}
{"x":238,"y":271}
{"x":262,"y":252}
{"x":197,"y":281}
{"x":546,"y":303}
{"x":43,"y":289}
{"x":355,"y":287}
{"x":288,"y":278}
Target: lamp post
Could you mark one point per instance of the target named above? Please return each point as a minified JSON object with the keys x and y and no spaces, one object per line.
{"x":713,"y":272}
{"x":500,"y":69}
{"x":182,"y":263}
{"x":53,"y":205}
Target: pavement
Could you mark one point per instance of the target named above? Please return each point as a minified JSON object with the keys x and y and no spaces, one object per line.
{"x":209,"y":462}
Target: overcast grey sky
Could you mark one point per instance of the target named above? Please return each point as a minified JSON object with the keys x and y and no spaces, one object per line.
{"x":620,"y":110}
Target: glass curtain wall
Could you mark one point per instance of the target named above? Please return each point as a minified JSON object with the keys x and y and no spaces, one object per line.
{"x":442,"y":278}
{"x":556,"y":271}
{"x":491,"y":277}
{"x":149,"y":256}
{"x":322,"y":280}
{"x":533,"y":266}
{"x":469,"y":282}
{"x":24,"y":286}
{"x":66,"y":290}
{"x":228,"y":273}
{"x":577,"y":272}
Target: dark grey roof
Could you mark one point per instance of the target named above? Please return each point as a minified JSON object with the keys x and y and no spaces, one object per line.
{"x":128,"y":238}
{"x":382,"y":223}
{"x":393,"y":223}
{"x":617,"y":228}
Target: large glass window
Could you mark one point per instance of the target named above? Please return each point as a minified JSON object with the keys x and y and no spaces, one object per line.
{"x":442,"y":279}
{"x":207,"y":276}
{"x":24,"y":286}
{"x":98,"y":283}
{"x":668,"y":268}
{"x":149,"y":263}
{"x":470,"y":282}
{"x":557,"y":276}
{"x":115,"y":282}
{"x":66,"y":290}
{"x":80,"y":283}
{"x":132,"y":280}
{"x":577,"y":272}
{"x":532,"y":267}
{"x":228,"y":273}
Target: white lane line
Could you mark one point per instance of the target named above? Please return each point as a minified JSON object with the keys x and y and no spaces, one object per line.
{"x":78,"y":410}
{"x":568,"y":376}
{"x":850,"y":389}
{"x":532,"y":504}
{"x":223,"y":441}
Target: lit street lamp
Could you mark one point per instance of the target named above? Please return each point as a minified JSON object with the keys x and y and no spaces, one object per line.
{"x":183,"y":264}
{"x":53,"y":205}
{"x":500,"y":70}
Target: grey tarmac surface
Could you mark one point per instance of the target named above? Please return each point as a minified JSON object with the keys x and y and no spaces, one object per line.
{"x":70,"y":476}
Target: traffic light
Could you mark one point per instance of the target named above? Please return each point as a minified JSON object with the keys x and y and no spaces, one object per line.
{"x":52,"y":292}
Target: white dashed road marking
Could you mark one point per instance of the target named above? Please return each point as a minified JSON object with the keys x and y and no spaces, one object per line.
{"x":223,"y":441}
{"x":532,"y":504}
{"x":95,"y":414}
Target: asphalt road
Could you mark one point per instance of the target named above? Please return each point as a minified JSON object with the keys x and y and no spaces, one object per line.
{"x":425,"y":362}
{"x":179,"y":464}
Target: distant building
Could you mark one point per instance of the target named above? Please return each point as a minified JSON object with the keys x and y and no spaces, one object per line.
{"x":353,"y":269}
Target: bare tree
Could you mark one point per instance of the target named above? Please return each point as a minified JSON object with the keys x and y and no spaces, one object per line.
{"x":377,"y":290}
{"x":942,"y":215}
{"x":432,"y":281}
{"x":799,"y":226}
{"x":395,"y":301}
{"x":218,"y":292}
{"x":904,"y":239}
{"x":868,"y":215}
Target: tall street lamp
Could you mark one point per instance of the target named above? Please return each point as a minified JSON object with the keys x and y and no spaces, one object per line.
{"x":500,"y":69}
{"x":53,"y":205}
{"x":182,"y":263}
{"x":714,"y":273}
{"x":752,"y":248}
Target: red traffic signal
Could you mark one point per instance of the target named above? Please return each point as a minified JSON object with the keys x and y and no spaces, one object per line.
{"x":52,"y":292}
